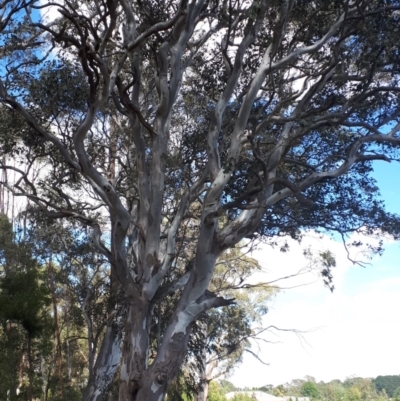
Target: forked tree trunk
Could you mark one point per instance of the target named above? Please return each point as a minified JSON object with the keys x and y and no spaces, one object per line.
{"x":202,"y":395}
{"x":138,"y":382}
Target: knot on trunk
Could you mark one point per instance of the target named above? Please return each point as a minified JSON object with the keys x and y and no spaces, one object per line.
{"x":160,"y":378}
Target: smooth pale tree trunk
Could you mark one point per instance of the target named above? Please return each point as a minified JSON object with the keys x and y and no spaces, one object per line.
{"x":203,"y":392}
{"x":154,"y":381}
{"x":30,"y":366}
{"x":57,"y":332}
{"x":106,"y":365}
{"x":103,"y":371}
{"x":202,"y":395}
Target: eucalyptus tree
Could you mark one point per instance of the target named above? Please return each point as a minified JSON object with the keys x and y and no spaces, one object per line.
{"x":193,"y":124}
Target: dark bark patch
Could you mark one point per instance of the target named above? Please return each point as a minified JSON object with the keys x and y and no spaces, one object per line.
{"x":242,"y":230}
{"x":150,"y":219}
{"x":157,"y":266}
{"x":177,"y":343}
{"x":150,"y":260}
{"x":134,"y":393}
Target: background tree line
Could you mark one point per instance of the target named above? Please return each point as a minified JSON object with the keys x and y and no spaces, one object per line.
{"x":381,"y":388}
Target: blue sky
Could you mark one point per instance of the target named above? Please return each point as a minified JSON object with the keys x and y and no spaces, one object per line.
{"x":388,"y":177}
{"x":353,"y":331}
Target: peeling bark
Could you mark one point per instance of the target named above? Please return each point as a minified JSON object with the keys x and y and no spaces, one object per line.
{"x":135,"y":349}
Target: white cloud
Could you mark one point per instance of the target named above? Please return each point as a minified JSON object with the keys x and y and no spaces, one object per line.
{"x":352,"y":331}
{"x":50,"y":13}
